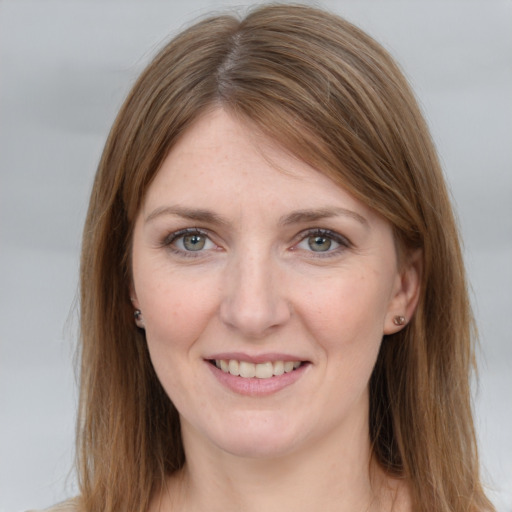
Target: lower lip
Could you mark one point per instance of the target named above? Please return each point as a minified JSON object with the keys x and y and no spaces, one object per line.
{"x":257,"y":387}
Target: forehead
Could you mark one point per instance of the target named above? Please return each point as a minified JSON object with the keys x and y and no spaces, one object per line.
{"x":224,"y":162}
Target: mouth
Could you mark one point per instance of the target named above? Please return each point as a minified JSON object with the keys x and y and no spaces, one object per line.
{"x":249,"y":370}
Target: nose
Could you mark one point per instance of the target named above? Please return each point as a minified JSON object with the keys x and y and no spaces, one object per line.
{"x":254,"y":301}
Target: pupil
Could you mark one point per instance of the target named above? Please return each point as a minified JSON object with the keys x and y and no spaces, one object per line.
{"x":193,"y":242}
{"x":319,"y":243}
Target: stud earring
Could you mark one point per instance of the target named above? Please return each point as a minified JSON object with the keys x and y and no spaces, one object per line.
{"x":399,"y":320}
{"x":139,"y":322}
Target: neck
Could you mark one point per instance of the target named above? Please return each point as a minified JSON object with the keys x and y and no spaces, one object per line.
{"x":325,"y":475}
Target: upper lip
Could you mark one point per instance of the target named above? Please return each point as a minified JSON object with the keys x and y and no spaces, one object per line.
{"x":255,"y":358}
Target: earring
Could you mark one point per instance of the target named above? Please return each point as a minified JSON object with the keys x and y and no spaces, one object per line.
{"x":139,"y":322}
{"x":399,"y":320}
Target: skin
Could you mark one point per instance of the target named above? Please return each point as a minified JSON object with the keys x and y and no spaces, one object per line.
{"x":257,"y":287}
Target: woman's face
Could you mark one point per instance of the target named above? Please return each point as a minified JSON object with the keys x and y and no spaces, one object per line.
{"x":248,"y":261}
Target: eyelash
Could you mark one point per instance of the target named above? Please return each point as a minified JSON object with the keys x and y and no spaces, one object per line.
{"x":343,"y":242}
{"x":173,"y":237}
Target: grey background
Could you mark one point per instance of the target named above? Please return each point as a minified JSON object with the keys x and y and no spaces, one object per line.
{"x":65,"y":67}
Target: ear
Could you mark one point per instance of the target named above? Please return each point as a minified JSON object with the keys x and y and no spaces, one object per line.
{"x":406,"y":293}
{"x":137,"y":313}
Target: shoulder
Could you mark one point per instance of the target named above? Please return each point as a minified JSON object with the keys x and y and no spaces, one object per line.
{"x":66,"y":506}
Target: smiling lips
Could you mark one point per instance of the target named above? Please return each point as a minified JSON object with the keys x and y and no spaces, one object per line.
{"x":250,"y":370}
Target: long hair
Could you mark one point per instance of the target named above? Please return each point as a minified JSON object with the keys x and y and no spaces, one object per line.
{"x":333,"y":97}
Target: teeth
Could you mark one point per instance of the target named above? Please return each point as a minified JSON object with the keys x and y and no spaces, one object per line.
{"x":234,"y":367}
{"x":264,"y":370}
{"x":260,"y":370}
{"x":278,"y":368}
{"x":247,"y":370}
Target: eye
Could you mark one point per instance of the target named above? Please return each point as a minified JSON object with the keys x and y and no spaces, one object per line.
{"x":322,"y":241}
{"x":194,"y":242}
{"x":189,"y":240}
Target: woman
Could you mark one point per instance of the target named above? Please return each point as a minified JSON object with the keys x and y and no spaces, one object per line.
{"x":274,"y":309}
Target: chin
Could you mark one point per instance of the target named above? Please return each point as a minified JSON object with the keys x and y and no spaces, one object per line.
{"x":255,"y":436}
{"x":259,"y":446}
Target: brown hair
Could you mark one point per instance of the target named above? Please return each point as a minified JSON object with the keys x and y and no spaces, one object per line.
{"x":333,"y":97}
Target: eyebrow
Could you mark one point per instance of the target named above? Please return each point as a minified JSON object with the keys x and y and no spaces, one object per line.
{"x":296,"y":217}
{"x":318,"y":214}
{"x":197,"y":214}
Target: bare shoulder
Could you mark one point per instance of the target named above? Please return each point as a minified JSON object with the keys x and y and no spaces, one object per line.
{"x":71,"y":505}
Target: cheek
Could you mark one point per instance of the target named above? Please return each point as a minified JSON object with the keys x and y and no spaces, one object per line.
{"x":350,"y":305}
{"x":175,"y":309}
{"x":346,"y":317}
{"x":176,"y":314}
{"x":347,"y":320}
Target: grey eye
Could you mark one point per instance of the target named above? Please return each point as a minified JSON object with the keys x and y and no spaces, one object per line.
{"x":194,"y":242}
{"x":319,"y":243}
